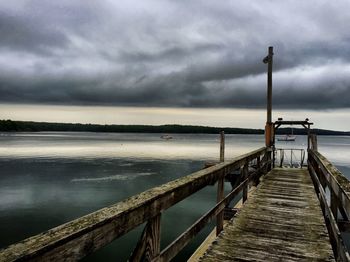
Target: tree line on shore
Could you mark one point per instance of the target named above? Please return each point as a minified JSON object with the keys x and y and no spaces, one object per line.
{"x":29,"y":126}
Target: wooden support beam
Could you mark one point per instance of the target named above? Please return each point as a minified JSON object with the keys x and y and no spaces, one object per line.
{"x":220,"y":216}
{"x":258,"y":167}
{"x":221,"y":184}
{"x":334,"y":205}
{"x":148,"y":246}
{"x":245,"y":188}
{"x":313,"y":142}
{"x":269,"y":127}
{"x":222,"y":146}
{"x":269,"y":84}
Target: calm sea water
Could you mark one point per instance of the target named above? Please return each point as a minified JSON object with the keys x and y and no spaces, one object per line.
{"x":50,"y":178}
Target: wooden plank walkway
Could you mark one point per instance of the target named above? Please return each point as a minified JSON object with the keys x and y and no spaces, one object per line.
{"x":282,"y":221}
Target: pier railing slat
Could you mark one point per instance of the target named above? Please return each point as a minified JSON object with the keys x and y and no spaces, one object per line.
{"x":325,"y":174}
{"x":80,"y":237}
{"x":337,"y":183}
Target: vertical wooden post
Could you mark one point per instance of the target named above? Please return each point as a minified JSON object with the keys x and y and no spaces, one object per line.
{"x":269,"y":85}
{"x":220,"y":192}
{"x":334,"y":205}
{"x":308,"y":136}
{"x":153,"y":240}
{"x":222,"y":146}
{"x":258,"y":167}
{"x":269,"y":125}
{"x":313,"y":140}
{"x":269,"y":158}
{"x":244,"y":171}
{"x":281,"y":157}
{"x":148,"y":246}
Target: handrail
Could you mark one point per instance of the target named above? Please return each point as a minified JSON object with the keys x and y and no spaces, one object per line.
{"x":290,"y":162}
{"x":325,"y":174}
{"x":171,"y":250}
{"x":82,"y":236}
{"x":338,"y":184}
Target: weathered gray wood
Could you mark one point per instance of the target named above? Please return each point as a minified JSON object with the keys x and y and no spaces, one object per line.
{"x":313,"y":142}
{"x":173,"y":249}
{"x":334,"y":205}
{"x":222,"y":146}
{"x":304,"y":123}
{"x":281,"y":157}
{"x":153,"y":240}
{"x":245,"y":189}
{"x":281,"y":221}
{"x":78,"y":238}
{"x":269,"y":85}
{"x":339,"y":248}
{"x":269,"y":125}
{"x":148,"y":246}
{"x":336,"y":181}
{"x":258,"y":168}
{"x":220,"y":216}
{"x":221,"y":184}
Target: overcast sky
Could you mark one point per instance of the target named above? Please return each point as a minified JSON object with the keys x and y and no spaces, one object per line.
{"x":178,"y":54}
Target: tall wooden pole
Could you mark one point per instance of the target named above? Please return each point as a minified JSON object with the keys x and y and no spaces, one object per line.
{"x":269,"y":86}
{"x":269,"y":125}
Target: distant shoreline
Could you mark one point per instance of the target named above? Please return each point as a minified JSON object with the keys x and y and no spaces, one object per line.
{"x":30,"y":126}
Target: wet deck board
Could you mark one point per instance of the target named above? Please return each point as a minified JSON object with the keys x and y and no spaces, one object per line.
{"x":282,"y":221}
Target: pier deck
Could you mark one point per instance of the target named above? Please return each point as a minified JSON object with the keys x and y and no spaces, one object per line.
{"x":282,"y":221}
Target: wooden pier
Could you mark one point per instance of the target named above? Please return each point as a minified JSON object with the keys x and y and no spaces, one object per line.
{"x":282,"y":221}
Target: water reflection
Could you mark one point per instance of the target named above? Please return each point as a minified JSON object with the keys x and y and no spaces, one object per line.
{"x":50,"y":178}
{"x":91,"y":145}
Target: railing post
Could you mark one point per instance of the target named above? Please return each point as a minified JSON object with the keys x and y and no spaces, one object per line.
{"x":148,"y":246}
{"x":313,"y":139}
{"x":222,"y":146}
{"x":220,"y":192}
{"x":244,"y":171}
{"x":269,"y":158}
{"x":282,"y":157}
{"x":258,"y":167}
{"x":334,"y":205}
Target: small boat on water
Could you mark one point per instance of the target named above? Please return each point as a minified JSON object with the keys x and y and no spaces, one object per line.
{"x":287,"y":138}
{"x":166,"y":137}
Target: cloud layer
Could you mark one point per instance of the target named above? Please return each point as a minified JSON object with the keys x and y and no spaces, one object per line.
{"x":175,"y":53}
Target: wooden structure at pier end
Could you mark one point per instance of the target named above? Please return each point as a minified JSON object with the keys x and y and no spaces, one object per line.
{"x":284,"y":214}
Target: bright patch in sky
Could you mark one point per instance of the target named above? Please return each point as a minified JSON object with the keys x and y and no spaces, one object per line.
{"x":247,"y":118}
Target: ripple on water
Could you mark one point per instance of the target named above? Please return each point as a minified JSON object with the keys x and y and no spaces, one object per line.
{"x":114,"y":177}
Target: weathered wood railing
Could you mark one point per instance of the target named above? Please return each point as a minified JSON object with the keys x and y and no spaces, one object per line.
{"x":325,"y":175}
{"x":78,"y":238}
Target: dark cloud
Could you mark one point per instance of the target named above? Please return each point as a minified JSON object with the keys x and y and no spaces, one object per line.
{"x":173,"y":53}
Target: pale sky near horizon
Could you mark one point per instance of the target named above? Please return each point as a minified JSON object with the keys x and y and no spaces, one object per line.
{"x":162,"y":61}
{"x":244,"y":118}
